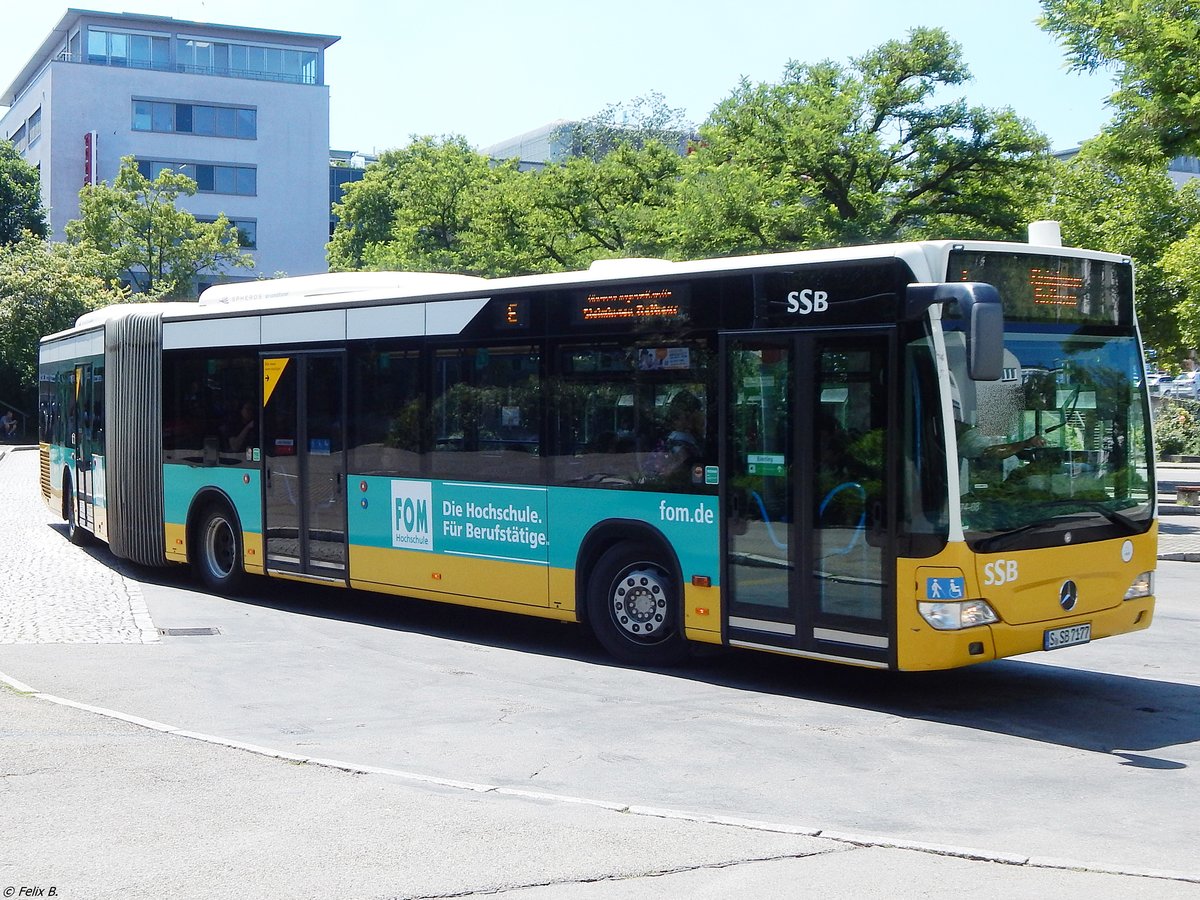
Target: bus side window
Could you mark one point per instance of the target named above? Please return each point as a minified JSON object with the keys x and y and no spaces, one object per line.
{"x":629,"y":417}
{"x":486,"y":414}
{"x":388,"y":424}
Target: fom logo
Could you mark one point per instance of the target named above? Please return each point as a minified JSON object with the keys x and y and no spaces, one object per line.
{"x":412,"y":507}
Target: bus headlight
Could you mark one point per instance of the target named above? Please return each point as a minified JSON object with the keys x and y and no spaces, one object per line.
{"x":956,"y":616}
{"x":1143,"y":586}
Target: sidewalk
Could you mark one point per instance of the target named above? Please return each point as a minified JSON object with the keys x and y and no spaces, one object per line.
{"x":1178,"y":526}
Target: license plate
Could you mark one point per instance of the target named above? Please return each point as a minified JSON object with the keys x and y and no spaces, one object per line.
{"x":1065,"y":637}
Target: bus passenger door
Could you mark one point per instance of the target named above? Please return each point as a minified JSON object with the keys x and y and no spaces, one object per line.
{"x":304,"y":475}
{"x":808,"y":534}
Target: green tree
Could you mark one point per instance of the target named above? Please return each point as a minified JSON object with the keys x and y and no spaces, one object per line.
{"x":1151,"y":46}
{"x":1180,"y":265}
{"x":1134,"y":209}
{"x":20,"y":197}
{"x":412,"y":209}
{"x":577,"y":211}
{"x":136,"y":226}
{"x":44,"y":288}
{"x":834,"y":155}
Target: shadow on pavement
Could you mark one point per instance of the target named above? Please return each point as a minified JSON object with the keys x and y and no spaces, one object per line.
{"x":1121,"y":715}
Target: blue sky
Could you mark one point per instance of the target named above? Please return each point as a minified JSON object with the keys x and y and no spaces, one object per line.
{"x":489,"y":70}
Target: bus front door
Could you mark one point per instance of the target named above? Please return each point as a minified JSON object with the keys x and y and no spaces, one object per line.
{"x":808,"y":534}
{"x":304,"y":474}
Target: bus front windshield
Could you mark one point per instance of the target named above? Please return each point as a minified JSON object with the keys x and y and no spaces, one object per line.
{"x":1058,"y":445}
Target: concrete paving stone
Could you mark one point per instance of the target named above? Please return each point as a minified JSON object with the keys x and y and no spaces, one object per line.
{"x":37,"y":597}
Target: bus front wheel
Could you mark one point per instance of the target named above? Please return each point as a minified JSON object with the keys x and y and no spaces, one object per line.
{"x":217,"y":557}
{"x":633,"y":607}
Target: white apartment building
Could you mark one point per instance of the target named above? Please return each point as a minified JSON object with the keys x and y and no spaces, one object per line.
{"x":243,"y":111}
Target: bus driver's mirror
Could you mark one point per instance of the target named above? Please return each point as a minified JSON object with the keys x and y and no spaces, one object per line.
{"x":979,"y":305}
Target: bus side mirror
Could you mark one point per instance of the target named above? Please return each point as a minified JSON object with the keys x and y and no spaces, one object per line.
{"x":979,"y":305}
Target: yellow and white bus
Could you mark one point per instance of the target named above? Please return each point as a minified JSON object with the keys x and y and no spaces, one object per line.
{"x":908,"y":456}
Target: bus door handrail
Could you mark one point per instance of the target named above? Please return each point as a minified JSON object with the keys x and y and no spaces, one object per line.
{"x":762,"y":508}
{"x":860,"y":528}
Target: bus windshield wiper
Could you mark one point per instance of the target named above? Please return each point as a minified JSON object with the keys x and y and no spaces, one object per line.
{"x":1117,"y":518}
{"x":1004,"y":540}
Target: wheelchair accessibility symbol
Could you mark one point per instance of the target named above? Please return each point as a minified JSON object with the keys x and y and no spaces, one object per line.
{"x":945,"y":588}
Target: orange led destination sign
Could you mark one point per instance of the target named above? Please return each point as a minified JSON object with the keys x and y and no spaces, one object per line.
{"x":634,"y":306}
{"x":1054,"y":288}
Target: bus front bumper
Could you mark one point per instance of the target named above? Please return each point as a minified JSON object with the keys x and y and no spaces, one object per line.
{"x":924,"y":648}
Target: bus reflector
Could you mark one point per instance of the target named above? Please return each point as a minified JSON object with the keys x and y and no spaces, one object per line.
{"x":701,"y":581}
{"x":702,"y":610}
{"x":437,"y":576}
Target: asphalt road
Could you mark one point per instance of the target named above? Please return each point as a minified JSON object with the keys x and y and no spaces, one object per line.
{"x":453,"y":752}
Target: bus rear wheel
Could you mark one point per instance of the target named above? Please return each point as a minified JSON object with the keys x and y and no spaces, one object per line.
{"x":217,"y":556}
{"x":75,"y":534}
{"x":633,"y":607}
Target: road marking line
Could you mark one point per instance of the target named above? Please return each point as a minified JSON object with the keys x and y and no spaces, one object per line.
{"x":841,"y":837}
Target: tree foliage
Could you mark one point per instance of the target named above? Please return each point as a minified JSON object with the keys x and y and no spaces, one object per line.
{"x":570,"y":214}
{"x":1131,"y":208}
{"x":838,"y":154}
{"x":44,"y":288}
{"x":1180,"y":266}
{"x":1151,"y":45}
{"x":412,"y":209}
{"x":135,"y":224}
{"x":20,"y":197}
{"x":829,"y":155}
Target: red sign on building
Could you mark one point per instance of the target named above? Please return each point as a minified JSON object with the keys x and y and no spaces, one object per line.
{"x":90,"y":166}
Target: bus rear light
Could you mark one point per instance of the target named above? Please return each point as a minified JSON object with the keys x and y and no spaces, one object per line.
{"x":436,"y":576}
{"x":956,"y":616}
{"x":702,"y":610}
{"x":1142,"y":586}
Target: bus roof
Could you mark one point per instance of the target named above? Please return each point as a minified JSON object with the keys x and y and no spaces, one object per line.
{"x":926,"y":259}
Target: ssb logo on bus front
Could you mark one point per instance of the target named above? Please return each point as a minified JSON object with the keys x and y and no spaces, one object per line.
{"x":412,"y":503}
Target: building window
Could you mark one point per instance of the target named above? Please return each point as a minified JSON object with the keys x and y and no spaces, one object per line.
{"x":1186,"y":164}
{"x":247,"y":230}
{"x":34,"y":125}
{"x":128,"y":50}
{"x":19,"y":137}
{"x":195,"y":118}
{"x":210,"y":178}
{"x":254,"y":61}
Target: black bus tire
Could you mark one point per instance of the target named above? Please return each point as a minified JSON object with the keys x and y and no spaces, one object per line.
{"x":217,"y":550}
{"x":75,"y":534}
{"x":633,"y":607}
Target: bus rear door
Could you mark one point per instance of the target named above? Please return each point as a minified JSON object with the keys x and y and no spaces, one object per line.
{"x":304,"y":465}
{"x":807,"y":532}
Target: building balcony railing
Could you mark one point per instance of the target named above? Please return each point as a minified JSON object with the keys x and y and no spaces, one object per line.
{"x":185,"y":68}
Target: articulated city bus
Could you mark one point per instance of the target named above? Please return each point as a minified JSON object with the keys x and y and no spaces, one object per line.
{"x":908,"y":456}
